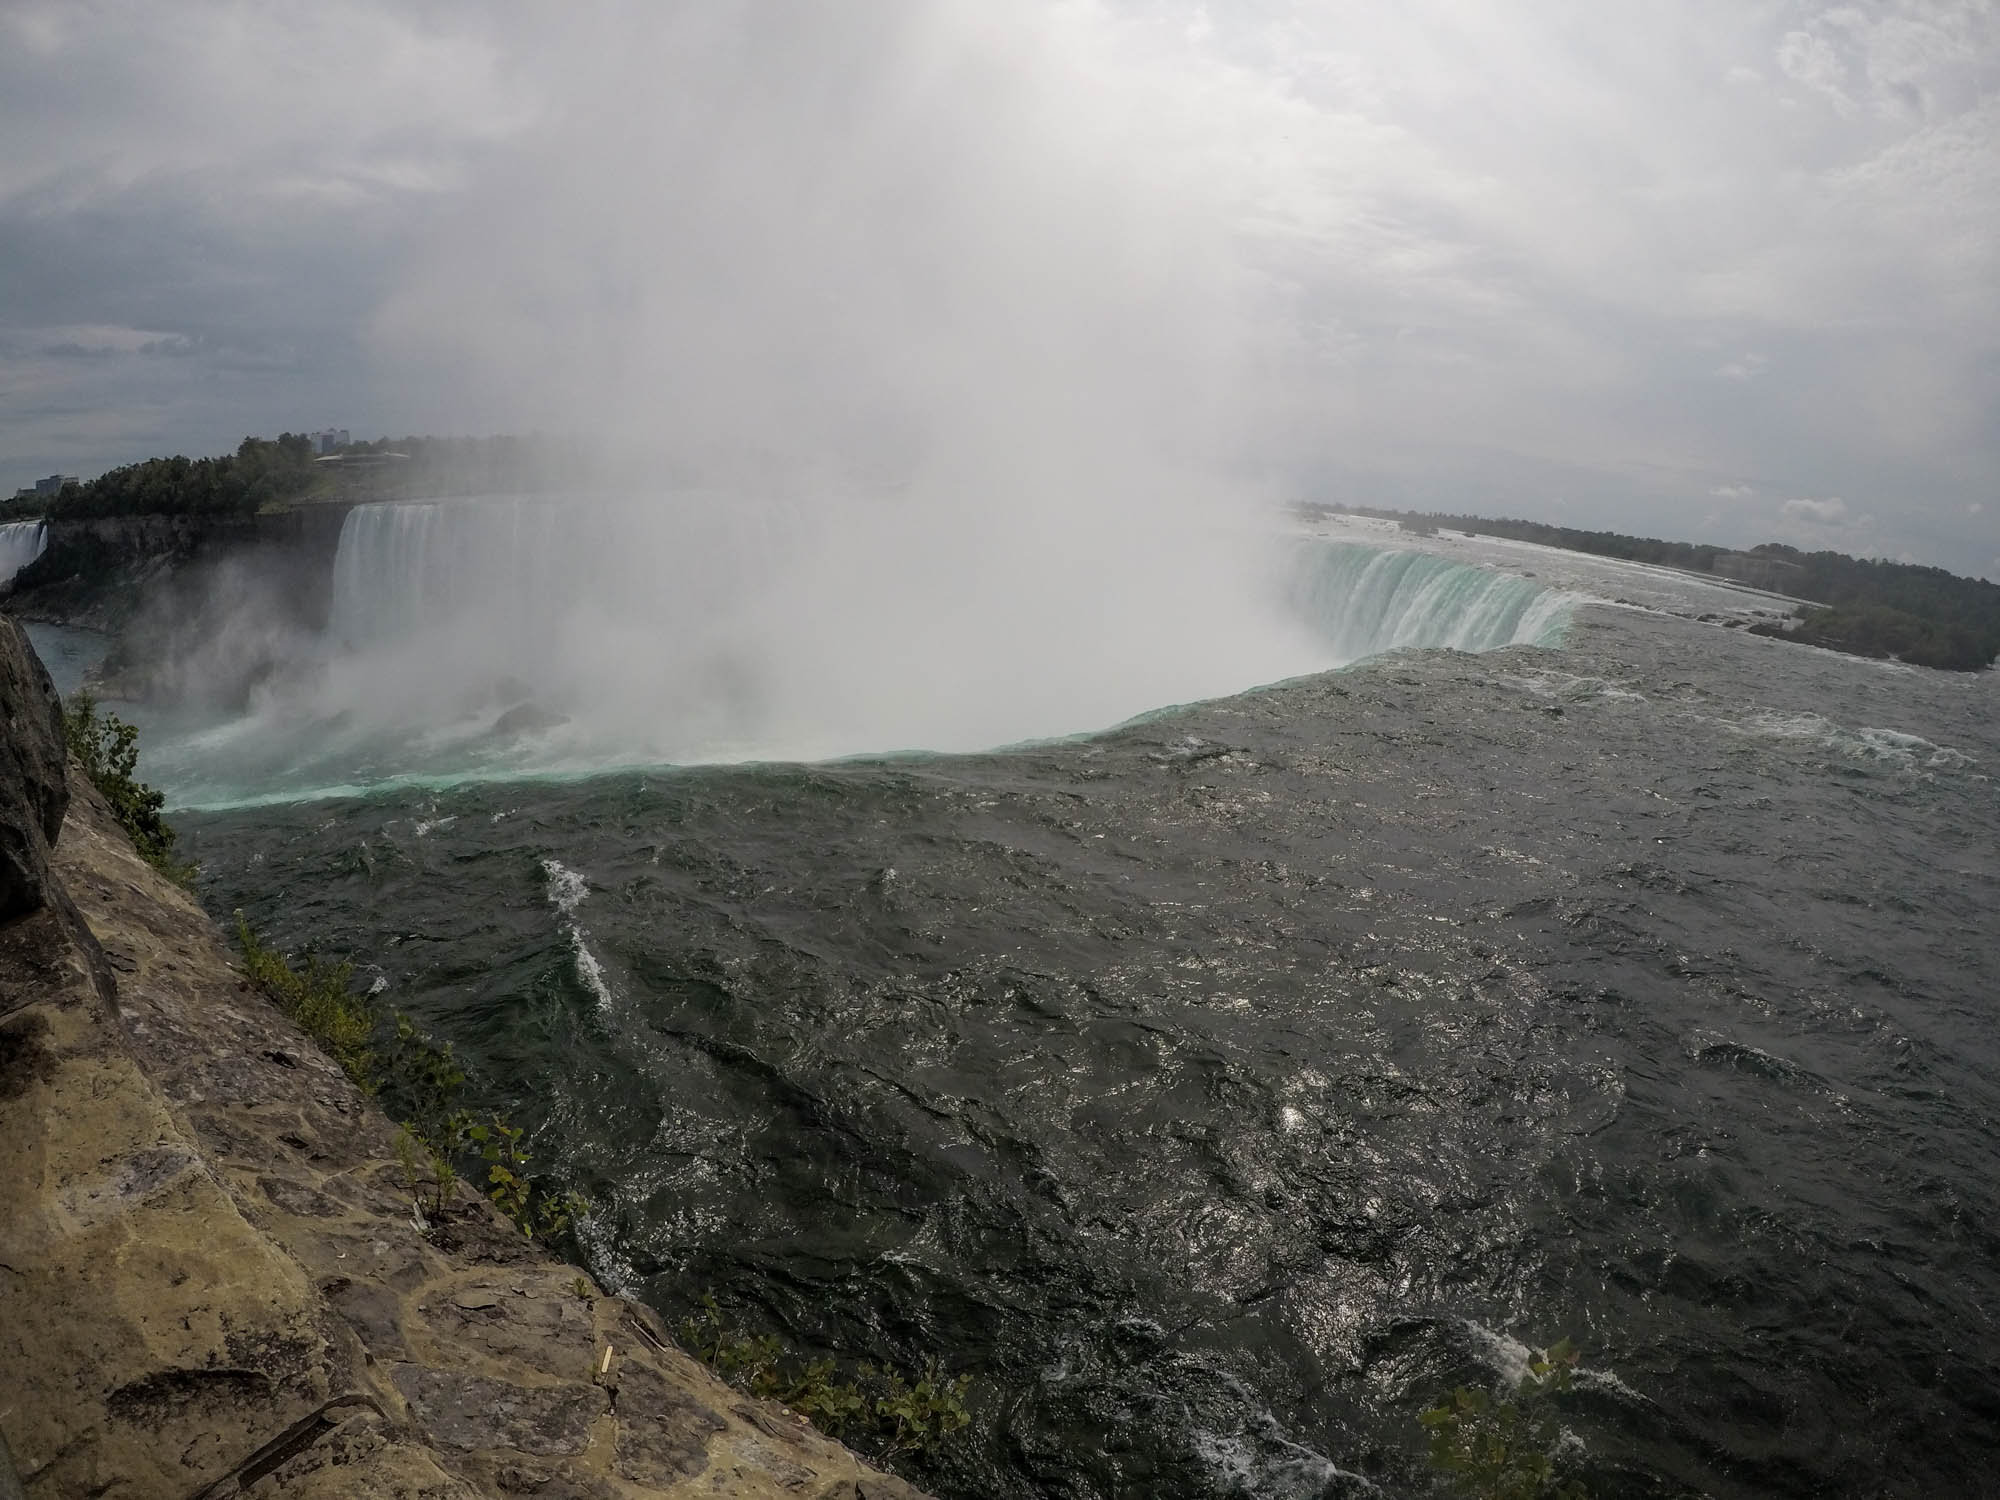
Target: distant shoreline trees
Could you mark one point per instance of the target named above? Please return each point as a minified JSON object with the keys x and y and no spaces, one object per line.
{"x":262,"y":472}
{"x":275,"y":473}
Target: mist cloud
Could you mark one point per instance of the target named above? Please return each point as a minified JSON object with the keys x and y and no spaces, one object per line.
{"x":1586,"y":266}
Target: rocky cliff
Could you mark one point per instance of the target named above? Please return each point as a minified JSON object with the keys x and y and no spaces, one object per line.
{"x":203,"y":607}
{"x":211,"y":1280}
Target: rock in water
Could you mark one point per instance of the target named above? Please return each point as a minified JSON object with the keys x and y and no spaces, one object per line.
{"x":34,"y":789}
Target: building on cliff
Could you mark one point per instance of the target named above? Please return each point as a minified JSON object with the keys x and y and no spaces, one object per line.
{"x":46,"y":489}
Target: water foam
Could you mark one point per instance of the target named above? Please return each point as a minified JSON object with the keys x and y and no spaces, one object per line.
{"x":567,"y":890}
{"x":1892,"y":749}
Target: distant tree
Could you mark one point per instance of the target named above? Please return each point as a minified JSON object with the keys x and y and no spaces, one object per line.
{"x":260,"y":473}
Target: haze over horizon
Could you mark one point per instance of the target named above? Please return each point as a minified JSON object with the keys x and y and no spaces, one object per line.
{"x":1727,"y":273}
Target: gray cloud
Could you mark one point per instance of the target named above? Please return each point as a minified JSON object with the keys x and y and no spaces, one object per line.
{"x":1824,"y":511}
{"x":1603,"y":267}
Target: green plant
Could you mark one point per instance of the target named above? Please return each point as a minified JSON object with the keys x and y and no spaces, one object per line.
{"x":555,"y":1212}
{"x":710,"y":1339}
{"x":507,"y":1170}
{"x":406,"y":1155}
{"x":316,"y":996}
{"x":107,"y":748}
{"x":419,"y":1075}
{"x":534,"y":1210}
{"x":443,"y":1175}
{"x":817,"y":1394}
{"x":880,"y":1409}
{"x":1504,"y":1448}
{"x":922,"y":1413}
{"x":424,"y":1080}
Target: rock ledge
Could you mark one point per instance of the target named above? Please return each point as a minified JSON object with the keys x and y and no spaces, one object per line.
{"x":210,"y":1282}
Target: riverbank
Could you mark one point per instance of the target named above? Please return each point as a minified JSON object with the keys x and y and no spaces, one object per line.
{"x":211,"y":1278}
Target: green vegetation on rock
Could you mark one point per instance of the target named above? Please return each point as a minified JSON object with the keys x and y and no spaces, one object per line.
{"x":389,"y":1058}
{"x":318,"y":999}
{"x":1504,"y":1448}
{"x":275,"y":473}
{"x":888,"y":1413}
{"x":884,"y":1412}
{"x":107,"y":748}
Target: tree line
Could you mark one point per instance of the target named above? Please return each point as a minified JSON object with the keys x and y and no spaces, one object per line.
{"x":261,"y":472}
{"x":267,"y":473}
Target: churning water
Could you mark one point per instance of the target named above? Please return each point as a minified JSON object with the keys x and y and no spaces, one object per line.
{"x":1221,"y":1088}
{"x":509,"y":636}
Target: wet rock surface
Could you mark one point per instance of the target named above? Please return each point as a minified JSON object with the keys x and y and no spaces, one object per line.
{"x":34,"y":791}
{"x":470,"y":1411}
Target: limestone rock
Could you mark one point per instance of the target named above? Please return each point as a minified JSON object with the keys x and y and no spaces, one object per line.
{"x":34,"y":787}
{"x":663,"y":1432}
{"x":470,"y":1411}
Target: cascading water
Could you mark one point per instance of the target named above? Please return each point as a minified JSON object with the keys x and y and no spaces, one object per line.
{"x":513,"y":568}
{"x":1364,"y":601}
{"x":515,"y":565}
{"x":21,"y":542}
{"x":513,"y":635}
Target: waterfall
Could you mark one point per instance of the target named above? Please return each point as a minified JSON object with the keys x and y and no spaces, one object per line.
{"x":1363,"y":601}
{"x":511,"y":635}
{"x":21,"y":542}
{"x":510,"y":569}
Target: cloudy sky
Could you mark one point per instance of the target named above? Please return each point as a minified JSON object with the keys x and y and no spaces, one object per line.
{"x":1726,"y":269}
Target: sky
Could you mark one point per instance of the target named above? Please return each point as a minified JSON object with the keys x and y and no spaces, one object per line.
{"x":1722,"y":269}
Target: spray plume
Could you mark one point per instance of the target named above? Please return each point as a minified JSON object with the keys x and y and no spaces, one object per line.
{"x":895,"y":347}
{"x":898,"y":352}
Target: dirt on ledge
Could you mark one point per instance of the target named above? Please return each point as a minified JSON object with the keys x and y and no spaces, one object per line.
{"x":211,"y":1282}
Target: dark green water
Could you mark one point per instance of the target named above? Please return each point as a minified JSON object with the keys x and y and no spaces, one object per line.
{"x":1220,"y":1090}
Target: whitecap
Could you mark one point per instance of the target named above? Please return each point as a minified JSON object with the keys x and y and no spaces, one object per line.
{"x":567,"y":890}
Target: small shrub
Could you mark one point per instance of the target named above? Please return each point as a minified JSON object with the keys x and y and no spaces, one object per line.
{"x":507,"y":1170}
{"x":882,"y":1410}
{"x":107,"y":748}
{"x":317,"y":998}
{"x":922,"y":1413}
{"x":421,"y":1077}
{"x":1504,"y":1448}
{"x":423,"y":1081}
{"x":818,"y":1394}
{"x":406,"y":1156}
{"x":443,"y":1174}
{"x":555,"y":1212}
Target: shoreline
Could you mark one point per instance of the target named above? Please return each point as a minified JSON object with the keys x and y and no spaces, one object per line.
{"x":211,"y":1282}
